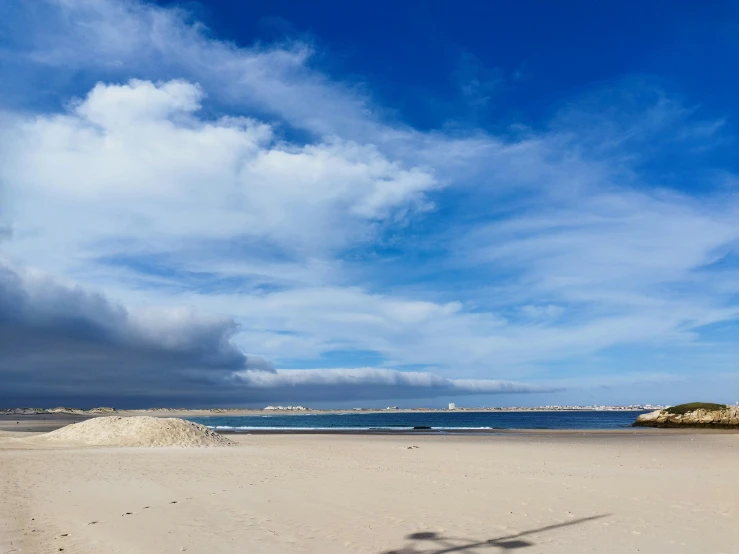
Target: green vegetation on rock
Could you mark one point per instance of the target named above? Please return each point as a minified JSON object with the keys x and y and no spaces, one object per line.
{"x":692,"y":406}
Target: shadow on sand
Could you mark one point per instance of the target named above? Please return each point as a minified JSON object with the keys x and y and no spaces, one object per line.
{"x":433,"y":543}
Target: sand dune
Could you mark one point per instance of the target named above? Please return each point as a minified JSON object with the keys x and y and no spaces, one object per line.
{"x":137,"y":431}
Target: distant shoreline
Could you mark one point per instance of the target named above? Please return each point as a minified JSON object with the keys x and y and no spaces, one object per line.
{"x":221,"y":412}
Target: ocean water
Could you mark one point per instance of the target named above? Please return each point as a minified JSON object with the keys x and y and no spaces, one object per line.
{"x":436,"y":421}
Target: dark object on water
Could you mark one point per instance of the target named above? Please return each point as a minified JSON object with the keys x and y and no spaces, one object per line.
{"x":421,"y":427}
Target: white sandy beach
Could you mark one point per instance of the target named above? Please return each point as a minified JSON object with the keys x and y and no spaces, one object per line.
{"x":648,"y":491}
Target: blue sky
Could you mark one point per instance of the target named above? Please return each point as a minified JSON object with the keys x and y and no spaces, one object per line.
{"x":493,"y":203}
{"x":430,"y":60}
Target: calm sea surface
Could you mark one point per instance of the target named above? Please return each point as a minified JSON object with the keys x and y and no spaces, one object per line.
{"x":442,"y":421}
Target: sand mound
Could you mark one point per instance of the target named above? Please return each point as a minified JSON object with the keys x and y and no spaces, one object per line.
{"x":138,"y":431}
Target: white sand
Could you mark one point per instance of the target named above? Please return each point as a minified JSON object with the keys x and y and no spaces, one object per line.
{"x":137,"y":431}
{"x":648,"y":491}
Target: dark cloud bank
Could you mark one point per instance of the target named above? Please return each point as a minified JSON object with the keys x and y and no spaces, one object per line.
{"x":61,"y":344}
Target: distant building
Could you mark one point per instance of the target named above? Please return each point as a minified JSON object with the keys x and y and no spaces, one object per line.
{"x":452,"y":406}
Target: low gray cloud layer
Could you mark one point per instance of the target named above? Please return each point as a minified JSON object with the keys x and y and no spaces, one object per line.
{"x":369,"y":383}
{"x":62,"y":344}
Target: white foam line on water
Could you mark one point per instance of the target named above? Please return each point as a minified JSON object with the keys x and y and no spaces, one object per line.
{"x":265,"y":428}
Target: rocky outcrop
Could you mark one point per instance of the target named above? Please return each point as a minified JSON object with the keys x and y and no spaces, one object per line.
{"x":723,"y":418}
